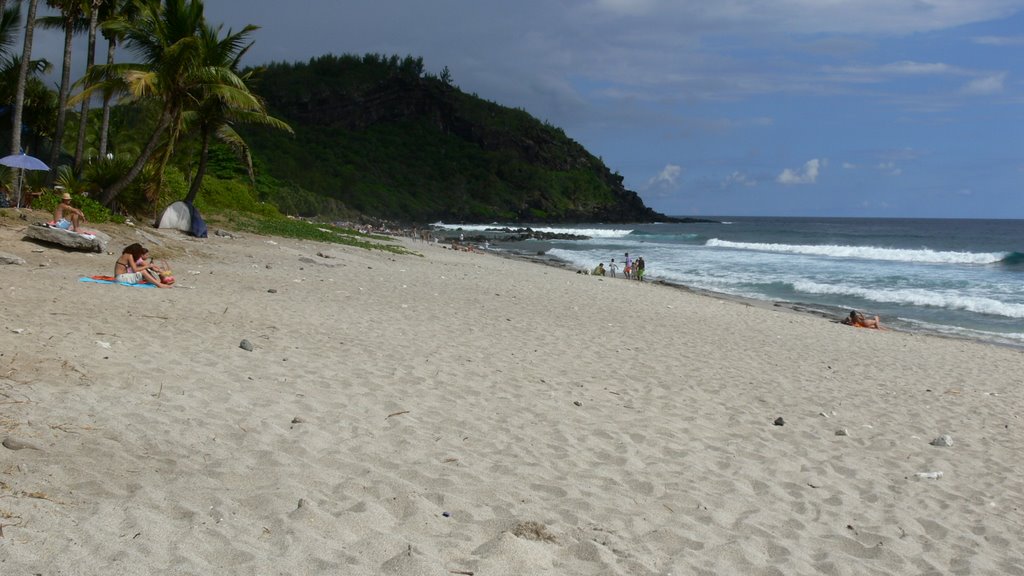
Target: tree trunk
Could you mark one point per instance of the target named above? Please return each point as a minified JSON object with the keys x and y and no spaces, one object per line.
{"x":83,"y":120}
{"x":110,"y":194}
{"x":105,"y":125}
{"x":19,"y":98}
{"x":62,"y":101}
{"x":204,"y":154}
{"x":172,"y":137}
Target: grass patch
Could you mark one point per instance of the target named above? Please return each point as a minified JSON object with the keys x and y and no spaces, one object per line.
{"x":303,"y":230}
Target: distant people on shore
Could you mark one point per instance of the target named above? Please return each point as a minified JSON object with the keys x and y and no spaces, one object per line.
{"x":640,"y":266}
{"x":599,"y":270}
{"x":860,"y":321}
{"x":612,"y":268}
{"x":628,"y":270}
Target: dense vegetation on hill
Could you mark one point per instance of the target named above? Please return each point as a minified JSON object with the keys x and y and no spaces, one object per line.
{"x":379,"y":136}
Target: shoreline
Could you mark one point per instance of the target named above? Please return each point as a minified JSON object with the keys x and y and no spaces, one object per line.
{"x":812,"y":310}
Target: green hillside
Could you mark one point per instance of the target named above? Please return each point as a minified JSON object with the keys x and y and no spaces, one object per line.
{"x":379,"y":136}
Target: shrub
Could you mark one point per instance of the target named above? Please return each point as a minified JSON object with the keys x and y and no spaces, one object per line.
{"x":93,"y":210}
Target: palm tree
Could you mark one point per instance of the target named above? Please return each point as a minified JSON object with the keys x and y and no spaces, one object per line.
{"x":111,"y":10}
{"x":9,"y":21}
{"x":222,"y":105}
{"x":69,"y":21}
{"x":10,"y":68}
{"x":93,"y":10}
{"x":26,"y":57}
{"x":34,"y":100}
{"x":165,"y":36}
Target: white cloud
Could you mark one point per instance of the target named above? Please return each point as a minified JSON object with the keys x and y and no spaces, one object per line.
{"x":985,"y":85}
{"x":902,"y":68}
{"x":890,"y":168}
{"x":911,"y":68}
{"x":667,"y":178}
{"x":807,"y":175}
{"x":822,"y":16}
{"x":738,"y":178}
{"x":626,"y":6}
{"x":1000,"y":40}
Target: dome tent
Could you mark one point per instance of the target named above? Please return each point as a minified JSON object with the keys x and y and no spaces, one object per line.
{"x":183,"y":216}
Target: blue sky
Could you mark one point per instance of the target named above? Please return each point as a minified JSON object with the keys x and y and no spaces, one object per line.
{"x":887,"y":108}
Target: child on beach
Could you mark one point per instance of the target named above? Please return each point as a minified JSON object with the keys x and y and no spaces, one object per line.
{"x":628,"y":270}
{"x":133,"y":267}
{"x":612,"y":268}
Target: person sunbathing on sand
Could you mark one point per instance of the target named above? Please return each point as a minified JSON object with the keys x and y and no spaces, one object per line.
{"x":857,"y":319}
{"x":133,"y":267}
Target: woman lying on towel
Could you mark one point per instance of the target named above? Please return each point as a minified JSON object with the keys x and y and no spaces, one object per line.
{"x":133,"y":267}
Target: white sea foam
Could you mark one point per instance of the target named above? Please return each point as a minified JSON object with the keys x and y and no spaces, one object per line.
{"x":574,"y":258}
{"x":1011,"y":338}
{"x":591,"y":232}
{"x":917,"y":297}
{"x":866,"y":252}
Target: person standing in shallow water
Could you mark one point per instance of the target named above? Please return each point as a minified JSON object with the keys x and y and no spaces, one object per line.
{"x":640,"y":268}
{"x":628,"y":270}
{"x":612,"y":268}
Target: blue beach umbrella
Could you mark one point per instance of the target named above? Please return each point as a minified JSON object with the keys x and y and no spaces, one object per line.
{"x":22,"y":162}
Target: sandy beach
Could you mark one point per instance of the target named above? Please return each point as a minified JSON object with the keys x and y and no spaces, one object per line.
{"x":461,"y":413}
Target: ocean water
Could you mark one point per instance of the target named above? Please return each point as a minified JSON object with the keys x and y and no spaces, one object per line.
{"x":962,"y":278}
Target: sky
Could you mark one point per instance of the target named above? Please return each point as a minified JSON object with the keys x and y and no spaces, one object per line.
{"x":867,"y":108}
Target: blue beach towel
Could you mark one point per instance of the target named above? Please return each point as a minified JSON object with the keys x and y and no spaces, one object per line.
{"x":110,"y":280}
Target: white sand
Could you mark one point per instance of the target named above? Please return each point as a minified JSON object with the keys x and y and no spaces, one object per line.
{"x":462,"y":413}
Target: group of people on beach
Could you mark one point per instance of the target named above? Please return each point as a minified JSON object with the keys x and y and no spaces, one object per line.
{"x":632,"y":270}
{"x":135,"y":266}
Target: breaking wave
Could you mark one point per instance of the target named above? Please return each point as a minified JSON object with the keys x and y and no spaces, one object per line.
{"x":870,"y":252}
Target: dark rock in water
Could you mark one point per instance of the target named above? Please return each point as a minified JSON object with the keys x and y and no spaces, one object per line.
{"x":95,"y":241}
{"x":514,"y":235}
{"x":779,"y":421}
{"x":245,"y":345}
